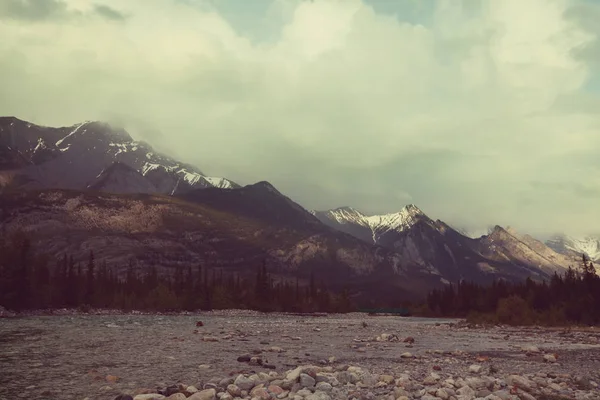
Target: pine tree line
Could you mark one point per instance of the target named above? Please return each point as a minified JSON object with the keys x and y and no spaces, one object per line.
{"x":570,"y":298}
{"x":34,"y":281}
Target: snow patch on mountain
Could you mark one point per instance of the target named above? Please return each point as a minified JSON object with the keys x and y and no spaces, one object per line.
{"x":399,"y":221}
{"x":377,"y":225}
{"x":41,"y":145}
{"x":589,"y":245}
{"x":73,"y":132}
{"x":221,"y":183}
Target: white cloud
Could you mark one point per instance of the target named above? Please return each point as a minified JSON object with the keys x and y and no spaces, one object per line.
{"x":481,"y":116}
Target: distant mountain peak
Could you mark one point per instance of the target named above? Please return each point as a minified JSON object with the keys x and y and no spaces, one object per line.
{"x":346,"y":208}
{"x":497,"y":229}
{"x":264,"y":185}
{"x":576,"y":246}
{"x":95,"y":130}
{"x":411,"y":209}
{"x":73,"y":157}
{"x":370,"y":227}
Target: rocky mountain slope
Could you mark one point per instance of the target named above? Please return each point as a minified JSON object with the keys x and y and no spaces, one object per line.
{"x":574,"y":248}
{"x":421,"y":240}
{"x":121,"y":178}
{"x":36,"y":157}
{"x":567,"y":245}
{"x":231,"y":229}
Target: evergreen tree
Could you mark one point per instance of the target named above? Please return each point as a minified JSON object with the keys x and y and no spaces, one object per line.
{"x":89,"y":286}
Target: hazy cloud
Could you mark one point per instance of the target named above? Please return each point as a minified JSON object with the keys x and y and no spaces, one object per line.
{"x":109,"y":13}
{"x":52,"y":10}
{"x":481,"y":113}
{"x":33,"y":10}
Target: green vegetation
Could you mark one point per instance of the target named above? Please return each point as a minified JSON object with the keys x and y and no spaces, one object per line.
{"x":29,"y":280}
{"x":572,"y":298}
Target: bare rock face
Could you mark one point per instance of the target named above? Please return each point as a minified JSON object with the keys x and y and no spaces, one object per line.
{"x":120,"y":178}
{"x":509,"y":246}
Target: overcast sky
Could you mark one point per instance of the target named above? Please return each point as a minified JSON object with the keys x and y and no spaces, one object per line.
{"x":478,"y":112}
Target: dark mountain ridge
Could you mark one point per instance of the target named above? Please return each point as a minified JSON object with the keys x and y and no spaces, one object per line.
{"x":420,"y":240}
{"x":73,"y":157}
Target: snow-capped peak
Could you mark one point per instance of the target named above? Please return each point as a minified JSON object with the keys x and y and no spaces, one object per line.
{"x":346,"y":214}
{"x":588,"y":245}
{"x":377,"y":225}
{"x":399,"y":221}
{"x":221,"y":183}
{"x":96,"y":145}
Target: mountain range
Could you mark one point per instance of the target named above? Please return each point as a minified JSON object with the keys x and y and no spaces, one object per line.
{"x":91,"y":155}
{"x":421,"y":240}
{"x":91,"y":186}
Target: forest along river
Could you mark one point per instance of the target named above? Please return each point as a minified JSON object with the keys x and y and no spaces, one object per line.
{"x":100,"y":356}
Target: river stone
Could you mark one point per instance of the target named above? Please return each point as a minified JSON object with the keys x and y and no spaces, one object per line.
{"x":520,"y":382}
{"x":466,"y":391}
{"x":177,"y":396}
{"x":234,"y":390}
{"x":324,"y":387}
{"x":149,"y":396}
{"x":442,"y":394}
{"x":475,"y":369}
{"x":531,"y":349}
{"x":207,"y":394}
{"x":318,"y":395}
{"x":260,"y":393}
{"x":293,"y":375}
{"x":244,"y":383}
{"x":549,"y":358}
{"x":303,"y":392}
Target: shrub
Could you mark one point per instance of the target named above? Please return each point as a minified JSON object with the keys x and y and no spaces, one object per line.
{"x":514,"y":310}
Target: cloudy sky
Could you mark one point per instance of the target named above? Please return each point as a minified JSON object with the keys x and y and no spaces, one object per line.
{"x":478,"y":112}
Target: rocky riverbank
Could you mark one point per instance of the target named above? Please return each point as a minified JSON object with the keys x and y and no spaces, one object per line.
{"x":289,"y":356}
{"x":350,"y":382}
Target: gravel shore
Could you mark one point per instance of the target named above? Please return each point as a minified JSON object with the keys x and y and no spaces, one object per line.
{"x":340,"y":356}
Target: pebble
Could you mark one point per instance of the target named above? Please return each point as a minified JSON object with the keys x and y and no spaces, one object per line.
{"x":149,"y":396}
{"x":307,"y":381}
{"x":475,"y":369}
{"x":207,"y":394}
